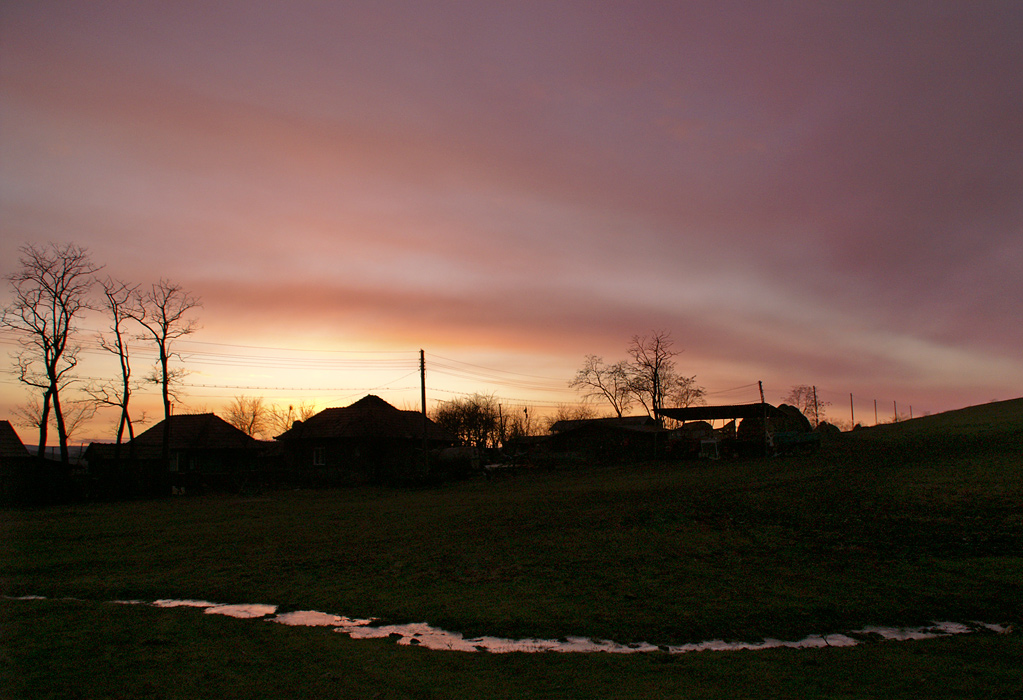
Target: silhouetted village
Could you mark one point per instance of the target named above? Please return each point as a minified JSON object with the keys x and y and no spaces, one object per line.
{"x":368,"y":442}
{"x":373,"y":442}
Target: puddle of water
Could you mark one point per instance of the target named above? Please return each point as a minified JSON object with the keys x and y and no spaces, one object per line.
{"x":312,"y":618}
{"x":432,"y":638}
{"x":939,"y":629}
{"x":308,"y":618}
{"x":246,"y":611}
{"x":164,"y":603}
{"x":243,"y":612}
{"x":429,"y":637}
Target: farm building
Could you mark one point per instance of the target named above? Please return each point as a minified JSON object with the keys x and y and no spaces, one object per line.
{"x":609,"y":440}
{"x":762,"y":428}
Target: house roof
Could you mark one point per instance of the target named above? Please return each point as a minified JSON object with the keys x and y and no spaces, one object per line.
{"x":11,"y":446}
{"x":642,"y":423}
{"x":369,"y":417}
{"x":202,"y":431}
{"x":743,"y":410}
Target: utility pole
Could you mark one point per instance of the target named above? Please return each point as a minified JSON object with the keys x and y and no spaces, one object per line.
{"x":875,"y":411}
{"x":422,"y":383}
{"x":763,"y":413}
{"x":852,"y":414}
{"x":816,"y":411}
{"x":895,"y":411}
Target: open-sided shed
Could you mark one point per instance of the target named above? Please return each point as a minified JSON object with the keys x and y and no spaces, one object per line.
{"x":773,"y":427}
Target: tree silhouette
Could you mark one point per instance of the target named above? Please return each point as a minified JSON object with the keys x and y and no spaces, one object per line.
{"x":50,"y":291}
{"x":280,"y":419}
{"x":249,"y":415}
{"x":610,"y":382}
{"x":804,"y":397}
{"x":119,"y":300}
{"x":652,"y":364}
{"x":475,"y":420}
{"x":162,"y":310}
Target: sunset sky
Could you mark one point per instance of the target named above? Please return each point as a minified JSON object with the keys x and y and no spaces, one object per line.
{"x":824,"y":193}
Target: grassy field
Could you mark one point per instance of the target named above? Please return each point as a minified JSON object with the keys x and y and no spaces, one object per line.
{"x":897,"y":525}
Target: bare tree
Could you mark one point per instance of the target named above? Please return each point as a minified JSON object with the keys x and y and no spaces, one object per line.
{"x":279,"y":419}
{"x":162,"y":311}
{"x":120,"y":300}
{"x":652,"y":363}
{"x":682,"y":392}
{"x":804,"y":397}
{"x":109,"y":394}
{"x":525,"y":425}
{"x":50,"y":291}
{"x":475,"y":420}
{"x":610,"y":382}
{"x":76,"y":414}
{"x":249,"y":415}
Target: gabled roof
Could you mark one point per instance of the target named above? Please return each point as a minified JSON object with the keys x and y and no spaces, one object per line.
{"x":11,"y":446}
{"x":626,"y":423}
{"x":202,"y":431}
{"x":369,"y":417}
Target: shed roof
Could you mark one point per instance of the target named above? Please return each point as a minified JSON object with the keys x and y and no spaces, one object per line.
{"x":369,"y":417}
{"x":729,"y":412}
{"x":626,"y":423}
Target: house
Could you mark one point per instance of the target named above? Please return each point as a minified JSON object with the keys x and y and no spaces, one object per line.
{"x":12,"y":449}
{"x":369,"y":441}
{"x":14,"y":461}
{"x":204,"y":452}
{"x":609,"y":440}
{"x":26,"y":478}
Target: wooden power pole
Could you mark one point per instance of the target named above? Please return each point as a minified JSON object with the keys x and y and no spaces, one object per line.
{"x":422,"y":383}
{"x":763,"y":413}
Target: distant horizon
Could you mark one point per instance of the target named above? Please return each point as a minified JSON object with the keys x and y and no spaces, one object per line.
{"x":81,"y":444}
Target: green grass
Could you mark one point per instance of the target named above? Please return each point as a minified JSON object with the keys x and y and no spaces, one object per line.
{"x":895,"y":525}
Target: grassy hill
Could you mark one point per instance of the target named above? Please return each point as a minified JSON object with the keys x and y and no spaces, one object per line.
{"x":899,"y":524}
{"x":994,"y":424}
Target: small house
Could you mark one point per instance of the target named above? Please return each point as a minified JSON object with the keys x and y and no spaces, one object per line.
{"x":27,"y":478}
{"x":369,"y":441}
{"x":204,"y":452}
{"x":14,"y":463}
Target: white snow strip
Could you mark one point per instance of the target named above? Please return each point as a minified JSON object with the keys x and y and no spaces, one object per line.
{"x":242,"y":611}
{"x":429,"y":637}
